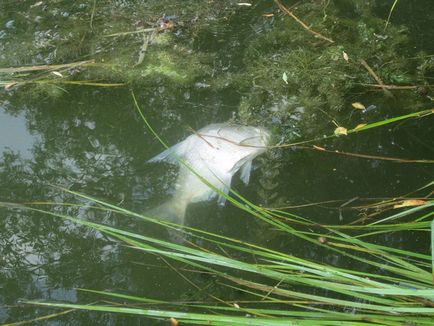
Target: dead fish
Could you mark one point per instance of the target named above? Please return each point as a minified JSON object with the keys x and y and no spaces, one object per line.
{"x":215,"y":153}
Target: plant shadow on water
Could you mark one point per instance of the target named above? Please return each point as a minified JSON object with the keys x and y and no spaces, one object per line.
{"x":219,"y":62}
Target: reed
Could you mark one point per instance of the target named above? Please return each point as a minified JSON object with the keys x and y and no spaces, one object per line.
{"x":289,"y":289}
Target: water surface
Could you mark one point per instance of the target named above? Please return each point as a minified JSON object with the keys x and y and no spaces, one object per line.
{"x":91,"y":140}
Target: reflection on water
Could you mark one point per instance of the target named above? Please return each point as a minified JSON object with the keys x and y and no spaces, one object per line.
{"x":91,"y":140}
{"x":14,"y":135}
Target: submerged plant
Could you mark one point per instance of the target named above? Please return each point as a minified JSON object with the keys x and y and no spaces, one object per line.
{"x":384,"y":285}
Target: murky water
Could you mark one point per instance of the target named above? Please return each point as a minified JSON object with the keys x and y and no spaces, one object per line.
{"x":91,"y":139}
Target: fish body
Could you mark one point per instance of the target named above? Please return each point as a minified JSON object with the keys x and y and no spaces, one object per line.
{"x":215,"y":153}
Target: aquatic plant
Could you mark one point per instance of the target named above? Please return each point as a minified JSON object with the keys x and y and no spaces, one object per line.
{"x":281,"y":288}
{"x":384,"y":285}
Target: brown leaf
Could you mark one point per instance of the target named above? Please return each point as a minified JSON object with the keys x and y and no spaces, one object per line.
{"x":58,"y":74}
{"x":341,"y":131}
{"x":10,"y":85}
{"x":358,"y":105}
{"x":319,"y":148}
{"x":345,"y":56}
{"x":410,"y":202}
{"x":173,"y":321}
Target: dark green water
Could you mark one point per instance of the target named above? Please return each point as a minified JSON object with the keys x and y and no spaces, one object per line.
{"x":91,"y":139}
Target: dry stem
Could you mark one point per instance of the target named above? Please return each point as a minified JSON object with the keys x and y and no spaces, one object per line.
{"x":377,"y":79}
{"x":298,"y":20}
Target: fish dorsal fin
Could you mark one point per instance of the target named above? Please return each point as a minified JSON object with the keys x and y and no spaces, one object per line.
{"x":245,"y":171}
{"x":171,"y":154}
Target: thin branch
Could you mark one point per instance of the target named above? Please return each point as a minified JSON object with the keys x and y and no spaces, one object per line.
{"x":92,"y":14}
{"x":394,"y":86}
{"x":369,"y":157}
{"x":390,"y":14}
{"x":201,"y":137}
{"x":143,"y":30}
{"x":12,"y":70}
{"x":298,"y":20}
{"x":377,"y":79}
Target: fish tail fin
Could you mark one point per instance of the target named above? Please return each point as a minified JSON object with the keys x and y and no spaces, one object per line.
{"x":171,"y":211}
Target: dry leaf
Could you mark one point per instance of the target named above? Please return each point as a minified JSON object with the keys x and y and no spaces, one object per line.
{"x":58,"y":74}
{"x":36,"y":4}
{"x":341,"y":131}
{"x":285,"y":78}
{"x":345,"y":55}
{"x":410,"y":202}
{"x":319,"y":148}
{"x":10,"y":85}
{"x":358,"y":105}
{"x":268,"y":15}
{"x":173,"y":321}
{"x":360,"y":125}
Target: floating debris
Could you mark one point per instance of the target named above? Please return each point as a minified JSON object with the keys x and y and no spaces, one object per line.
{"x":358,"y":105}
{"x":56,"y":73}
{"x":410,"y":202}
{"x":345,"y":56}
{"x":285,"y":78}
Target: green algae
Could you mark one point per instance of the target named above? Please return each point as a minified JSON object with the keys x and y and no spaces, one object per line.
{"x":318,"y":76}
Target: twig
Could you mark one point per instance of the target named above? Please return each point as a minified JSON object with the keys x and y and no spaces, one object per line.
{"x":390,"y":14}
{"x":271,"y":290}
{"x":393,"y":86}
{"x":9,"y":84}
{"x":298,"y":20}
{"x":143,"y":30}
{"x":92,"y":14}
{"x":229,"y":141}
{"x":45,"y":317}
{"x":369,"y":157}
{"x":146,"y":40}
{"x":201,"y":137}
{"x":377,"y":79}
{"x":12,"y":70}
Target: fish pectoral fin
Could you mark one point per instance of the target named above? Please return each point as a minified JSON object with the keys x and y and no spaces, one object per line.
{"x":245,"y":172}
{"x":222,"y":200}
{"x":224,"y":188}
{"x":170,"y":155}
